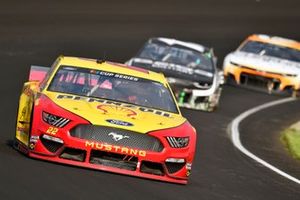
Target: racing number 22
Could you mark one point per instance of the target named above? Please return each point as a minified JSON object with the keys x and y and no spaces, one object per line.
{"x":51,"y":130}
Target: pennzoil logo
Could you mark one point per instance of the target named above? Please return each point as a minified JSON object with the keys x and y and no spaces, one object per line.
{"x":108,"y":102}
{"x":108,"y":108}
{"x":117,"y":149}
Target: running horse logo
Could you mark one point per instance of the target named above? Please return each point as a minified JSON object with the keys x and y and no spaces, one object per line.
{"x":116,"y":137}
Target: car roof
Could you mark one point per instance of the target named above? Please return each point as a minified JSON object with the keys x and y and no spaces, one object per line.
{"x":111,"y":67}
{"x":171,"y":41}
{"x":275,"y":40}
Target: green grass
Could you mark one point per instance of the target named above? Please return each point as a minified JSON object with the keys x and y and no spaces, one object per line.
{"x":291,"y":138}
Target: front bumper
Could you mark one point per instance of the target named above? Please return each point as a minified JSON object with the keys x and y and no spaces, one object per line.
{"x":266,"y":81}
{"x":191,"y":99}
{"x":109,"y":169}
{"x":206,"y":99}
{"x":111,"y":157}
{"x":102,"y":148}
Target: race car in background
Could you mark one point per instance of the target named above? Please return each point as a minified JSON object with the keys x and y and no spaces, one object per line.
{"x":190,"y":69}
{"x":107,"y":116}
{"x":266,"y":63}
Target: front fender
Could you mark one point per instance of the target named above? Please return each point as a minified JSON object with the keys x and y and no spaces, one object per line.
{"x":25,"y":109}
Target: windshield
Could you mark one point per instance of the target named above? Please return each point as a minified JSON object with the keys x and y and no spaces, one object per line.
{"x":271,"y":50}
{"x":112,"y":86}
{"x":180,"y":55}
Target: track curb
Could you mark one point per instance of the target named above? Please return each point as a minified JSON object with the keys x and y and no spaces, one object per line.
{"x":235,"y":135}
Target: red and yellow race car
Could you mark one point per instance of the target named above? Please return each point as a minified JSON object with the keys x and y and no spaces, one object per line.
{"x":105,"y":116}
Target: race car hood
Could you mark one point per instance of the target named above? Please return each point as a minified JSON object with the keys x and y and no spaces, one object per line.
{"x":264,"y":63}
{"x":116,"y":114}
{"x":174,"y":70}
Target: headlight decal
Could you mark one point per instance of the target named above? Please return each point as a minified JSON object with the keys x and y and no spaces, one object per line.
{"x":235,"y":64}
{"x":54,"y":120}
{"x":178,"y":142}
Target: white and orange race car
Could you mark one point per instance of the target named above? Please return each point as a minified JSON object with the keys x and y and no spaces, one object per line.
{"x":267,"y":63}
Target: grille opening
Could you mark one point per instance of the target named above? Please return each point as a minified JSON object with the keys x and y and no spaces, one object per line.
{"x":50,"y":145}
{"x":152,"y":168}
{"x":174,"y":167}
{"x":105,"y":134}
{"x":73,"y":154}
{"x":201,"y":100}
{"x":263,"y":84}
{"x":259,"y":81}
{"x":109,"y":159}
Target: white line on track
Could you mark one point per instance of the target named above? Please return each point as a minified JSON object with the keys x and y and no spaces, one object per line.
{"x":235,"y":136}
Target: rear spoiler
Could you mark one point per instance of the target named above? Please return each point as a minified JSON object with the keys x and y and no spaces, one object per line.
{"x":38,"y":73}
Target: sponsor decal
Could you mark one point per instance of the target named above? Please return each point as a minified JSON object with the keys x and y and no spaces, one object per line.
{"x":116,"y":149}
{"x":52,"y":130}
{"x":119,"y":122}
{"x":258,"y":59}
{"x":32,"y":145}
{"x":27,"y":91}
{"x":180,"y":68}
{"x":34,"y":138}
{"x":173,"y":67}
{"x":115,"y":75}
{"x":116,"y":137}
{"x":32,"y":141}
{"x":23,"y":113}
{"x":188,"y":173}
{"x":21,"y":129}
{"x":188,"y":168}
{"x":106,"y":108}
{"x":104,"y":101}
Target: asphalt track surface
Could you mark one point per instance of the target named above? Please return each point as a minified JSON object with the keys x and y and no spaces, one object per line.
{"x":36,"y":32}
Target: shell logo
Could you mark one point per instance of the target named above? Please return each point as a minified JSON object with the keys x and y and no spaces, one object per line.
{"x":106,"y":109}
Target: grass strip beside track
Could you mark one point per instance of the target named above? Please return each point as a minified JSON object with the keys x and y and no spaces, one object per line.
{"x":291,"y":137}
